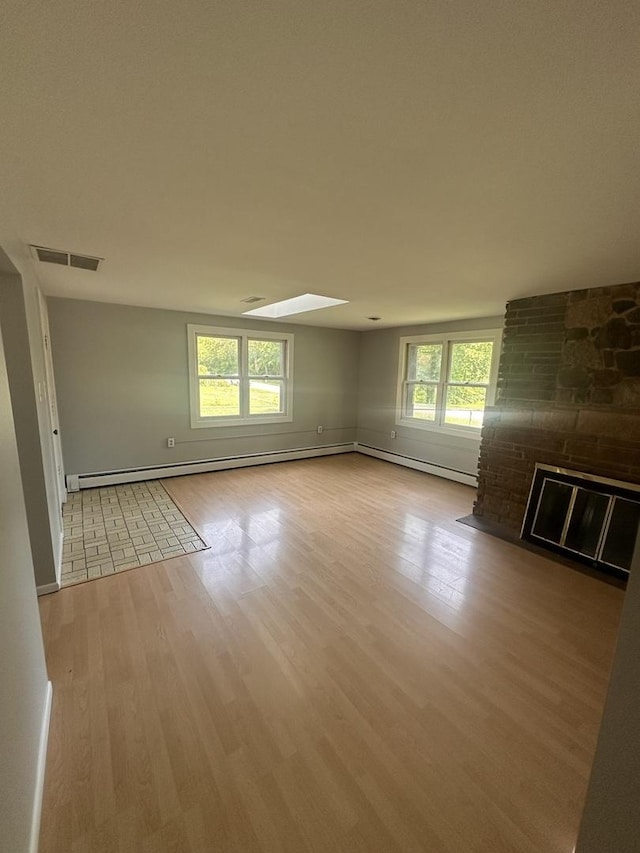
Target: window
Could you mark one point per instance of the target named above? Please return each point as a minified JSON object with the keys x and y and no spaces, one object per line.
{"x":239,"y":376}
{"x":445,"y":382}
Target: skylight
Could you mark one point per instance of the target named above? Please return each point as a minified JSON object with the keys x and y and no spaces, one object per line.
{"x":296,"y":305}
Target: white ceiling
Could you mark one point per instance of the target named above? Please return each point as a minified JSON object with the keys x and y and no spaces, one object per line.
{"x":424,"y":159}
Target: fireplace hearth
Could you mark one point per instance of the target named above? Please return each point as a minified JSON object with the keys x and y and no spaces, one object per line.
{"x":592,"y":519}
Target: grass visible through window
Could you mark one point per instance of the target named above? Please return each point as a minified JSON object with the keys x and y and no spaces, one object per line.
{"x":220,"y":397}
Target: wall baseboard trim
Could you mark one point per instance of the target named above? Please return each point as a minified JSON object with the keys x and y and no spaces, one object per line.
{"x":46,"y":588}
{"x":40,"y":773}
{"x":75,"y":482}
{"x":418,"y":464}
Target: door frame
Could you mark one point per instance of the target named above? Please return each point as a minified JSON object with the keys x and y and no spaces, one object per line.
{"x":50,"y":395}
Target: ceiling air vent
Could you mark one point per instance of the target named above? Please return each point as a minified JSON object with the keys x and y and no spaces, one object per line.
{"x":50,"y":256}
{"x":251,"y":299}
{"x":65,"y":259}
{"x":84,"y":262}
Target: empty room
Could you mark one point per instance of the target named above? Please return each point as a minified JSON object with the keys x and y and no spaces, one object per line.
{"x":320,"y":427}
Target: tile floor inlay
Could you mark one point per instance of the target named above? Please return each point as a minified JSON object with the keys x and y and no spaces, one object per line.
{"x":120,"y":527}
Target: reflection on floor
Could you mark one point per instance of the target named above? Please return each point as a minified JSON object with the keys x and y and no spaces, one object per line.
{"x":345,"y":670}
{"x":122,"y":527}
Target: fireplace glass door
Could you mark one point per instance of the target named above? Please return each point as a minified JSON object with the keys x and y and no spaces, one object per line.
{"x":587,"y":521}
{"x":584,"y":518}
{"x":621,"y":535}
{"x":555,"y":502}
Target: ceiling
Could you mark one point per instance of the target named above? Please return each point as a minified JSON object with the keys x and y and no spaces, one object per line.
{"x":423,"y":159}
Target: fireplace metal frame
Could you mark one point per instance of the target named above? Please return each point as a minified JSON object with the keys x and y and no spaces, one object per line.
{"x":609,"y":488}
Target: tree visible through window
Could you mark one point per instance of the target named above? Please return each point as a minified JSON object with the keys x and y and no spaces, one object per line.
{"x":469,"y":378}
{"x":237,"y":377}
{"x":446,"y":383}
{"x":218,"y":376}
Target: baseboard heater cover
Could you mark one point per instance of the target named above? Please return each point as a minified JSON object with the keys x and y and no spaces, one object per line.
{"x":418,"y":464}
{"x":76,"y":482}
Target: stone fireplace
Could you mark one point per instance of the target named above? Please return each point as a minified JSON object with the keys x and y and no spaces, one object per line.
{"x":568,"y":396}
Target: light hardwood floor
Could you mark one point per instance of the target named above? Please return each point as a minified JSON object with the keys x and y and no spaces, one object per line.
{"x":347,"y":669}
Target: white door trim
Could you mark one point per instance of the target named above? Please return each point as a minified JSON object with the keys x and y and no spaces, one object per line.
{"x":52,"y":403}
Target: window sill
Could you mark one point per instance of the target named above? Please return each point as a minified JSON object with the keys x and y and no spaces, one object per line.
{"x":453,"y":432}
{"x":216,"y":423}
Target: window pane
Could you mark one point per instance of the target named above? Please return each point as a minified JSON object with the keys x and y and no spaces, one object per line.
{"x":424,"y":363}
{"x":219,"y":398}
{"x":421,"y":402}
{"x":471,"y":362}
{"x":266,"y":358}
{"x":465,"y":406}
{"x":266,"y":397}
{"x":217,"y":355}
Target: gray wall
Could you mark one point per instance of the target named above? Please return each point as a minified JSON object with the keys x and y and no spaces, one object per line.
{"x":22,"y":667}
{"x":122,"y":385}
{"x":610,"y":821}
{"x":20,"y":323}
{"x":377,"y":386}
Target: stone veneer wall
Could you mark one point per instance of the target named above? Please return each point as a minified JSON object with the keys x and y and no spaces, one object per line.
{"x":568,"y":395}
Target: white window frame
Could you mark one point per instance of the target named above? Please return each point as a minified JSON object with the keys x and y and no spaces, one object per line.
{"x":243,"y":336}
{"x":446,"y":340}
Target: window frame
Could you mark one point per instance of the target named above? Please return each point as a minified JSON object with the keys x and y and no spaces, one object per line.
{"x":446,"y":340}
{"x":199,"y":421}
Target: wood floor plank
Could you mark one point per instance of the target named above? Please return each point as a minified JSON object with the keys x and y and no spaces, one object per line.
{"x":346,"y":669}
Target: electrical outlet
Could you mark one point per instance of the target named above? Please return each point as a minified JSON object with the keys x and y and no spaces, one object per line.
{"x":394,"y":434}
{"x":319,"y":429}
{"x":171,"y":442}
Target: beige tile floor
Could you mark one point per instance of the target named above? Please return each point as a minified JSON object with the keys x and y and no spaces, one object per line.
{"x":112,"y":529}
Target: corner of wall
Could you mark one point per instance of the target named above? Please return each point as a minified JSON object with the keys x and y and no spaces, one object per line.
{"x":20,"y":336}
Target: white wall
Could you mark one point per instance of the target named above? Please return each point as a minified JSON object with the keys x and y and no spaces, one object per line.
{"x":22,"y":666}
{"x":611,"y":818}
{"x":24,"y":356}
{"x":377,"y":390}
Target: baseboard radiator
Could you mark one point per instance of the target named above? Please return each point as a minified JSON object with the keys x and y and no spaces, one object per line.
{"x":75,"y":482}
{"x":418,"y":464}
